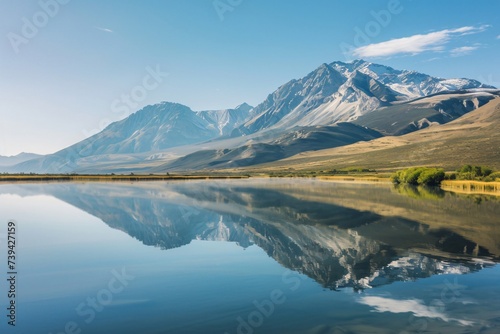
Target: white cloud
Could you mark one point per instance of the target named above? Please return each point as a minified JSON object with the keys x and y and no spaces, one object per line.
{"x":498,"y":37}
{"x":432,"y":59}
{"x":415,"y":306}
{"x":461,"y":51}
{"x":105,"y":29}
{"x":415,"y":44}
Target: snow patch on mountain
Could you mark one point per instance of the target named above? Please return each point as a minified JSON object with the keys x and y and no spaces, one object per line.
{"x":226,"y":120}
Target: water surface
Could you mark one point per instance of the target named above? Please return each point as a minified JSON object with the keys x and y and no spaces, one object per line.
{"x":252,"y":256}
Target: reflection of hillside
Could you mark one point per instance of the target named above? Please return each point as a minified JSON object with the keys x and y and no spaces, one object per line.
{"x":309,"y":227}
{"x":474,"y":219}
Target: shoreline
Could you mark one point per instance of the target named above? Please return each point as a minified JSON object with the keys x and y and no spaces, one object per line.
{"x":111,"y":178}
{"x":456,"y":186}
{"x":357,"y":179}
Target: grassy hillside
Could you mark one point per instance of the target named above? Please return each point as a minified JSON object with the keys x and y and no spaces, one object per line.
{"x":473,"y":138}
{"x":300,"y":140}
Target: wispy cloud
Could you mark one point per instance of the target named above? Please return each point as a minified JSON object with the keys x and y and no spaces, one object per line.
{"x":105,"y":30}
{"x":498,"y":37}
{"x":415,"y":306}
{"x":464,"y":50}
{"x":432,"y":59}
{"x":416,"y":44}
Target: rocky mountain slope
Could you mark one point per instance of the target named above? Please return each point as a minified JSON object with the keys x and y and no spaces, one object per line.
{"x":421,"y":113}
{"x":152,"y":129}
{"x":343,"y":92}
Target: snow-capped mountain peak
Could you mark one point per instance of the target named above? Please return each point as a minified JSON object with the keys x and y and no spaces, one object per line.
{"x":341,"y":91}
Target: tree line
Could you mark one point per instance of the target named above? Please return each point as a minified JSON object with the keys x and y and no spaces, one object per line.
{"x":434,"y":176}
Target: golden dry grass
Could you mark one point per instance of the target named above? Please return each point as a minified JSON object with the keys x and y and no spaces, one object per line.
{"x":471,"y":187}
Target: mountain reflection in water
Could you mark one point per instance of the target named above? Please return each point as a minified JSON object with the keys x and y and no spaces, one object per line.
{"x":340,"y":235}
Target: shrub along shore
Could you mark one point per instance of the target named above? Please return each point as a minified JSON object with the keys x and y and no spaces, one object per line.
{"x":467,"y":179}
{"x":419,"y":176}
{"x":434,"y":176}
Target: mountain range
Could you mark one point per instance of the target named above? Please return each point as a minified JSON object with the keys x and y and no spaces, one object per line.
{"x":336,"y":105}
{"x":343,"y":92}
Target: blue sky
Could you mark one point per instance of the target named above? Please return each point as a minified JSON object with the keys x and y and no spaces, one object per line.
{"x":66,"y":65}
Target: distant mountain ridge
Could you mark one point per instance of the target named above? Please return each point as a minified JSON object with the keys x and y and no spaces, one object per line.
{"x":16,"y":159}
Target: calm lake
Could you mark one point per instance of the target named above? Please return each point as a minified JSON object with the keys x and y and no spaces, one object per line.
{"x":250,"y":256}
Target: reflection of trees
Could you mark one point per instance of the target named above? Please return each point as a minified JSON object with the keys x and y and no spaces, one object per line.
{"x":478,"y":198}
{"x":420,"y":192}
